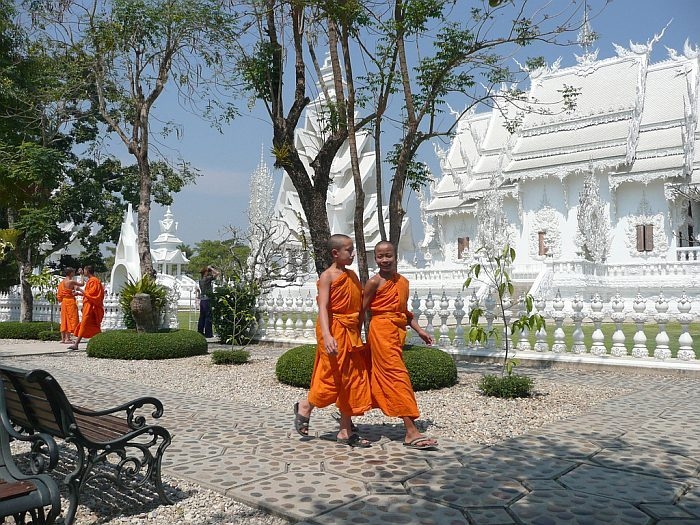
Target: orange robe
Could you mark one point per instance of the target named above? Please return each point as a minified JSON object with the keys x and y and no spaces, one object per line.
{"x":93,"y":309}
{"x":342,"y":378}
{"x":390,"y":383}
{"x":69,"y":308}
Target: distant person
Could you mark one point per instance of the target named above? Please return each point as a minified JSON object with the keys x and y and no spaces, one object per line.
{"x":386,"y":296}
{"x":93,"y":308}
{"x":206,"y":293}
{"x":65,"y":294}
{"x":340,"y":371}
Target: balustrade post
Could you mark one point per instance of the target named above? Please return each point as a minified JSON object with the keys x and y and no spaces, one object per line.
{"x":559,"y":345}
{"x":309,"y":332}
{"x":444,"y":340}
{"x":661,"y":350}
{"x":429,"y":314}
{"x":541,"y":344}
{"x":473,"y":303}
{"x":618,"y":316}
{"x":262,"y":312}
{"x":507,"y":314}
{"x":279,"y":323}
{"x":685,"y":340}
{"x":415,"y":306}
{"x":459,"y":313}
{"x":598,"y":346}
{"x":524,"y":338}
{"x":289,"y":323}
{"x":640,"y":339}
{"x":271,"y":316}
{"x":578,"y":346}
{"x":489,"y":314}
{"x":299,"y":325}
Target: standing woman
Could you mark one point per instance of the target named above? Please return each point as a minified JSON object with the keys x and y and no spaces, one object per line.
{"x":206,"y":292}
{"x":69,"y":308}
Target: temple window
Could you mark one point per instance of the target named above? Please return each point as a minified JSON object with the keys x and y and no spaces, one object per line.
{"x":542,"y":245}
{"x":462,"y":245}
{"x":645,"y":237}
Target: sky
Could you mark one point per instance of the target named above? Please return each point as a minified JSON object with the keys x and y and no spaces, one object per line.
{"x":226,"y":160}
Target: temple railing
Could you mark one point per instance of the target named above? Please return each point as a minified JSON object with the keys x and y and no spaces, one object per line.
{"x":652,"y":327}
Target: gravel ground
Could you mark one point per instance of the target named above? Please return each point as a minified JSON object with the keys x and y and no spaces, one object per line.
{"x":457,"y":413}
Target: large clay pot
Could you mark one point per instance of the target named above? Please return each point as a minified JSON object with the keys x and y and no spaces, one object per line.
{"x":144,"y":314}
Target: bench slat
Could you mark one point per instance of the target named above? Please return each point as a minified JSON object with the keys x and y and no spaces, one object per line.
{"x":14,"y":489}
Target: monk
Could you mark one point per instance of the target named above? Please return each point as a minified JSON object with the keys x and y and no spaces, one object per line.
{"x":340,"y":373}
{"x":386,"y":296}
{"x":65,"y":294}
{"x":93,"y":308}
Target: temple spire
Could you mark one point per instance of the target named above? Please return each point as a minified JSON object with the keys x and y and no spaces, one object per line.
{"x":586,"y":38}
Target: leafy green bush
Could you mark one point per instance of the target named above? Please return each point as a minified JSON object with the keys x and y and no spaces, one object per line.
{"x":507,"y":386}
{"x":128,"y":344}
{"x":429,"y":368}
{"x":17,"y":330}
{"x":47,"y":335}
{"x":295,"y":366}
{"x":234,"y":314}
{"x":146,"y":285}
{"x":230,"y":357}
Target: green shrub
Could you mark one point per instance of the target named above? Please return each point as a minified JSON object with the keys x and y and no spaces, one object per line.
{"x":230,"y":357}
{"x":17,"y":330}
{"x":128,"y":344}
{"x":146,"y":285}
{"x":508,"y":386}
{"x":47,"y":335}
{"x":295,"y":366}
{"x":233,"y":312}
{"x":428,"y":368}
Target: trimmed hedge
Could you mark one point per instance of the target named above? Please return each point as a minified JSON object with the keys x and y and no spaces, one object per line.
{"x":17,"y":330}
{"x":128,"y":344}
{"x":230,"y":357}
{"x":429,"y":368}
{"x":47,"y":335}
{"x":509,"y":386}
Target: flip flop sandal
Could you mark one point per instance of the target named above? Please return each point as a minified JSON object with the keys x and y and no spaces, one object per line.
{"x":353,"y":426}
{"x":415,"y":444}
{"x":355,"y":441}
{"x":301,"y":423}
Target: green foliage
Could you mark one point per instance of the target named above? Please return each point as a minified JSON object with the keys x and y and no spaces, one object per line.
{"x":508,"y":386}
{"x":128,"y":344}
{"x":233,"y":312}
{"x":230,"y":357}
{"x":222,"y":255}
{"x":145,"y":285}
{"x":494,"y":272}
{"x":17,"y":330}
{"x":48,"y":335}
{"x":296,"y":365}
{"x":46,"y":282}
{"x":429,"y":368}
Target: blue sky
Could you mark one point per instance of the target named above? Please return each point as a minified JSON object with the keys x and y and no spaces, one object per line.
{"x":226,"y":160}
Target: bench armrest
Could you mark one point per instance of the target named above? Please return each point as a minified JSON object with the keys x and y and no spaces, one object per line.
{"x":134,"y":421}
{"x":44,"y":451}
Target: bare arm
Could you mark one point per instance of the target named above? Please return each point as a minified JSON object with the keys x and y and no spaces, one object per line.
{"x":324,"y":297}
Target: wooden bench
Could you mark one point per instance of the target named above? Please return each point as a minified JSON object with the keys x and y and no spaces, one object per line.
{"x":128,"y":451}
{"x":22,"y":494}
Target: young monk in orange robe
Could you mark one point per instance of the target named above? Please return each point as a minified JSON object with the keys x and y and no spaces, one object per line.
{"x":93,"y":308}
{"x":386,"y":295}
{"x":340,"y":372}
{"x":65,"y":294}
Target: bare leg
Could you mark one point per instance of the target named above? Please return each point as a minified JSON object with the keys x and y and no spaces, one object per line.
{"x":74,"y":346}
{"x":412,"y":433}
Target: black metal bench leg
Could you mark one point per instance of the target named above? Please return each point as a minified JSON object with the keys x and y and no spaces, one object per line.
{"x":156,"y":478}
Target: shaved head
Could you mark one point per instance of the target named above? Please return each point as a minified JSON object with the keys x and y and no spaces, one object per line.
{"x":383,"y":245}
{"x":336,"y":241}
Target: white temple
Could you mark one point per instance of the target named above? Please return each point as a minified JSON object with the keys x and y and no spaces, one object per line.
{"x":340,"y":202}
{"x":588,"y":198}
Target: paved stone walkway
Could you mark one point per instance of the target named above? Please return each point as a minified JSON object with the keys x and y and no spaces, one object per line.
{"x":633,"y":460}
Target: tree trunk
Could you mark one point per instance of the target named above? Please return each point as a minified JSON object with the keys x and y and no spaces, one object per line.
{"x":143,"y":213}
{"x":26,"y":308}
{"x":145,"y":316}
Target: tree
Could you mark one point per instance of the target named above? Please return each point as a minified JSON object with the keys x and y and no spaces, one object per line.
{"x":222,"y":255}
{"x":131,"y":49}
